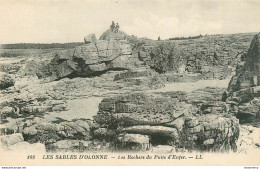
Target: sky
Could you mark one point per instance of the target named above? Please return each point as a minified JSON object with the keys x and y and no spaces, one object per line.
{"x":60,"y":21}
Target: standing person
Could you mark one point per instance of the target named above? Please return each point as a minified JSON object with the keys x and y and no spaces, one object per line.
{"x":112,"y":26}
{"x":117,"y":27}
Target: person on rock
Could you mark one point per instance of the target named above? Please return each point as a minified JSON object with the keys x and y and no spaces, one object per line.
{"x":117,"y":27}
{"x":112,"y":26}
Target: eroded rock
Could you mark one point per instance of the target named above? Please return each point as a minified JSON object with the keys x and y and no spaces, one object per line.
{"x":244,"y":87}
{"x":6,"y":81}
{"x":90,"y":38}
{"x":168,"y":120}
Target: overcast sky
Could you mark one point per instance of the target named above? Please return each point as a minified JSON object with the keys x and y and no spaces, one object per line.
{"x":47,"y":21}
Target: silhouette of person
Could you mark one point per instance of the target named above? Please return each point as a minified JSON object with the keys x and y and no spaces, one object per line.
{"x":159,"y":38}
{"x":112,"y":26}
{"x":117,"y":27}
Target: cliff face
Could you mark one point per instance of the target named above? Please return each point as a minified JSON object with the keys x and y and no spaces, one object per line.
{"x":214,"y":57}
{"x":210,"y":57}
{"x":244,"y":87}
{"x":248,"y":72}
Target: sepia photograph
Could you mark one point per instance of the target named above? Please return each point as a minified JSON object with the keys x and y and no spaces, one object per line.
{"x":130,"y":82}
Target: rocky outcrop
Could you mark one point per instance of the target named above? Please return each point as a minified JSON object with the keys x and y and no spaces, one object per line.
{"x":247,"y":72}
{"x":244,"y":88}
{"x":91,"y":59}
{"x":143,"y":77}
{"x":166,"y":119}
{"x":123,"y":69}
{"x":50,"y":133}
{"x":212,"y":57}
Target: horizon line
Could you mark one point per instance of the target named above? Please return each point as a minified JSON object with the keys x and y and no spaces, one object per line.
{"x":132,"y":35}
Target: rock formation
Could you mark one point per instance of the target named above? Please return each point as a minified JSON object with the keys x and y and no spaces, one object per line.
{"x":110,"y":35}
{"x":208,"y":58}
{"x":91,"y":59}
{"x":213,"y":59}
{"x":143,"y":121}
{"x":90,"y":38}
{"x":52,"y":111}
{"x":244,"y":87}
{"x":6,"y":81}
{"x":16,"y":143}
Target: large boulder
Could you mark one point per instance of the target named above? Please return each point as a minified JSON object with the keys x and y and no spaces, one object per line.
{"x":100,"y":51}
{"x":61,"y":56}
{"x":64,"y":69}
{"x":167,"y":119}
{"x":90,"y":59}
{"x":90,"y":38}
{"x":137,"y":108}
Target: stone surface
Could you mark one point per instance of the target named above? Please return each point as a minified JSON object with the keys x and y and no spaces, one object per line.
{"x":162,"y":149}
{"x":90,"y":59}
{"x":11,"y":139}
{"x":244,"y":87}
{"x":152,"y":130}
{"x":7,"y":111}
{"x":168,"y":119}
{"x":64,"y":69}
{"x":133,"y":142}
{"x":110,"y":35}
{"x":90,"y":38}
{"x":6,"y":81}
{"x":134,"y":138}
{"x":249,"y":139}
{"x":66,"y":144}
{"x":30,"y":130}
{"x":137,"y":108}
{"x":211,"y":62}
{"x":57,"y":109}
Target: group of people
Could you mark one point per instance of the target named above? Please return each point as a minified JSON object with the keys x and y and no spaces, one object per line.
{"x":114,"y":28}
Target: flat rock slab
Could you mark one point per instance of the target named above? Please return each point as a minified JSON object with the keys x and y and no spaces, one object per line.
{"x":78,"y":108}
{"x":152,"y":130}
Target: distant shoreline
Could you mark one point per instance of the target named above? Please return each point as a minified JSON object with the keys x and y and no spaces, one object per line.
{"x":41,"y":45}
{"x":31,"y":45}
